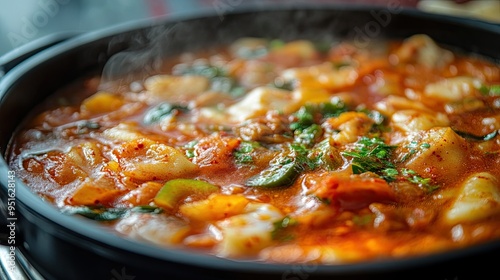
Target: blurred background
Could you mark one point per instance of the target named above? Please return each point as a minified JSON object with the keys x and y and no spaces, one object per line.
{"x":23,"y":21}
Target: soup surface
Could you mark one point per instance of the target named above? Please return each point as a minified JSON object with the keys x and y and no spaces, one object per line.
{"x":281,"y":151}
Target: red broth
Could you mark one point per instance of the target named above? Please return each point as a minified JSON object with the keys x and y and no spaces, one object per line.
{"x":281,"y":151}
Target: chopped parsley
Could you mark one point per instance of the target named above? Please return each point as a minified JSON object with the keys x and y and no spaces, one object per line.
{"x":309,"y":135}
{"x":414,"y":178}
{"x":311,"y":114}
{"x":325,"y":155}
{"x":242,"y":154}
{"x":301,"y":154}
{"x":189,"y":149}
{"x":373,"y":155}
{"x":413,"y":148}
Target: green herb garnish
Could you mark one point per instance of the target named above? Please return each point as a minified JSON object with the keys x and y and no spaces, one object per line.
{"x":308,"y":135}
{"x":414,"y":178}
{"x":109,"y":214}
{"x":325,"y":155}
{"x":282,"y":228}
{"x":189,"y":149}
{"x":281,"y":172}
{"x":301,"y":154}
{"x":285,"y":168}
{"x":311,"y":114}
{"x":373,"y":155}
{"x":413,"y":148}
{"x":161,"y":111}
{"x":493,"y":90}
{"x":242,"y":153}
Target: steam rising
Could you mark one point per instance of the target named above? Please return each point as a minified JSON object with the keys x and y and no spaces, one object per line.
{"x":144,"y":56}
{"x":146,"y":51}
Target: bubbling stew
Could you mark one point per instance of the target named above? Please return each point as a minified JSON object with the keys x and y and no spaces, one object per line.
{"x":281,"y":151}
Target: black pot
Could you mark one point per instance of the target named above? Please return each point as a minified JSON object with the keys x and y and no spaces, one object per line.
{"x":64,"y":247}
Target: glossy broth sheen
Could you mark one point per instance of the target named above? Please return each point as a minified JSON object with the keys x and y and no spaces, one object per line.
{"x":281,"y":151}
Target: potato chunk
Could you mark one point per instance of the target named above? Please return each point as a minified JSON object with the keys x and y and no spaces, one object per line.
{"x":215,"y":207}
{"x":158,"y":229}
{"x":298,"y":48}
{"x":248,"y":232}
{"x":122,"y":132}
{"x":308,"y":95}
{"x":101,"y":102}
{"x":261,"y":100}
{"x":175,"y":88}
{"x":413,"y":120}
{"x":147,"y":160}
{"x":453,"y":89}
{"x":478,"y":198}
{"x":424,"y":51}
{"x":86,"y":155}
{"x":446,"y":152}
{"x":392,"y":104}
{"x":322,"y":76}
{"x":100,"y":191}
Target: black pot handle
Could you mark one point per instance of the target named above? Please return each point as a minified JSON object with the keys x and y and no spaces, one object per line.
{"x":20,"y":54}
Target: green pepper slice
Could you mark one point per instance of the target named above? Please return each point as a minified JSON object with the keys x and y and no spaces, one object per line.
{"x":278,"y":174}
{"x":175,"y":190}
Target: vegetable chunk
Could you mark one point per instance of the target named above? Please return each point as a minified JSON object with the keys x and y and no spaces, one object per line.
{"x":215,"y":207}
{"x":174,"y":190}
{"x":174,"y":88}
{"x":146,"y":160}
{"x":453,"y":89}
{"x":352,"y":192}
{"x":479,"y":198}
{"x":248,"y":232}
{"x":101,"y":102}
{"x":446,"y":151}
{"x":259,"y":101}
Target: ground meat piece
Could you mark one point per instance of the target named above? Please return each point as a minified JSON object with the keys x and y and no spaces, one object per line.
{"x":272,"y":128}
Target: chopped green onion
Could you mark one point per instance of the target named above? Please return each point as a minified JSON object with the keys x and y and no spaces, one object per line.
{"x":108,"y":214}
{"x":161,"y":111}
